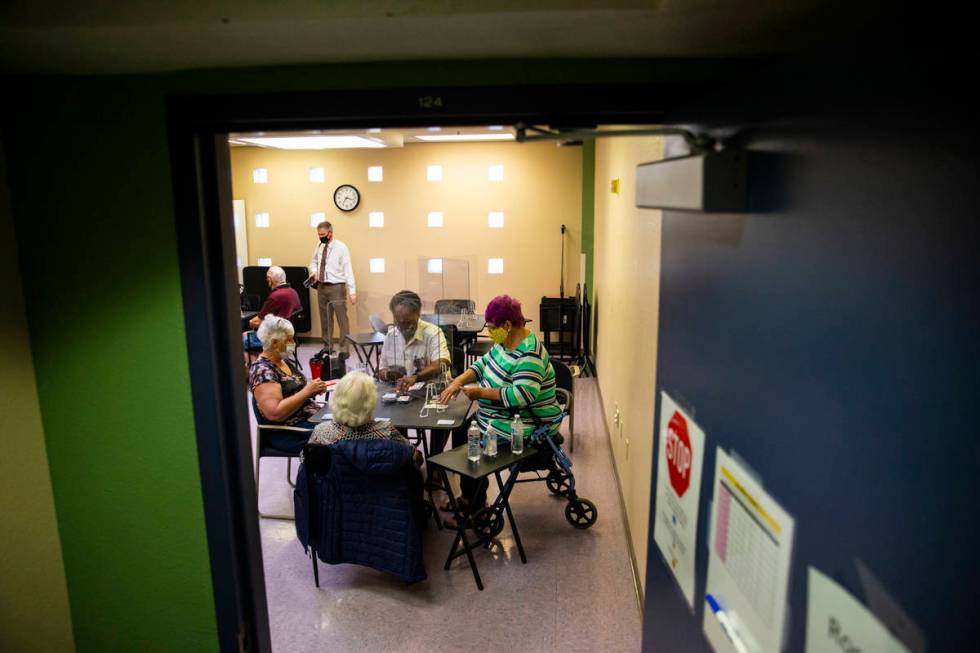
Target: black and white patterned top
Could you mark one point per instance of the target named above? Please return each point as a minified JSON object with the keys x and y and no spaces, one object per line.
{"x":330,"y":432}
{"x":264,"y":370}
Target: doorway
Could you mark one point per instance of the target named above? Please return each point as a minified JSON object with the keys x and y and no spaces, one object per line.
{"x":201,"y":167}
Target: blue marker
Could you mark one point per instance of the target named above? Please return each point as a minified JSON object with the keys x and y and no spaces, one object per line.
{"x":726,"y":624}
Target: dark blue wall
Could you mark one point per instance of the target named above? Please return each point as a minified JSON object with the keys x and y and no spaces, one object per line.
{"x":830,"y":338}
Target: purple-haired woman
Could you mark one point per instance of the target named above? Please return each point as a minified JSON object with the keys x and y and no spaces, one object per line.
{"x":514,"y":376}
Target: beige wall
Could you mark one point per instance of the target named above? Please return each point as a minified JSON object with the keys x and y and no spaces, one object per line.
{"x":34,"y":613}
{"x":627,"y":297}
{"x":541,"y":190}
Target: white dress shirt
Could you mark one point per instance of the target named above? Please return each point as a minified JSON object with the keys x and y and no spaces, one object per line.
{"x":338,"y":265}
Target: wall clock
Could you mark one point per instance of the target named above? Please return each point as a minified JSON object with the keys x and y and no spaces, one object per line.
{"x":346,"y":197}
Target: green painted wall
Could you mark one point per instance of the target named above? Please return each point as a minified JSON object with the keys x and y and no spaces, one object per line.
{"x":34,"y":612}
{"x":588,"y":210}
{"x":92,"y":199}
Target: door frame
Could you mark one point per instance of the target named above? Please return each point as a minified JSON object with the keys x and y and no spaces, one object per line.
{"x":198,"y":128}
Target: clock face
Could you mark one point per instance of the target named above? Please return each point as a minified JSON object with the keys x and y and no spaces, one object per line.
{"x":346,"y":197}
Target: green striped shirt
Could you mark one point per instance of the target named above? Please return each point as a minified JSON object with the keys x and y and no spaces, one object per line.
{"x":527,"y":384}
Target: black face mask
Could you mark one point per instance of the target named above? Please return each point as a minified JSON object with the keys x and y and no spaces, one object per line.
{"x":325,"y":239}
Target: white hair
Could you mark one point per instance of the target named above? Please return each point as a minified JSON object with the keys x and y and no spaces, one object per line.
{"x":277,"y":275}
{"x":352,"y":402}
{"x":273,"y":330}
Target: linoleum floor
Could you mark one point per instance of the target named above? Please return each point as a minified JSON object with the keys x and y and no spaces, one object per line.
{"x":575,"y":593}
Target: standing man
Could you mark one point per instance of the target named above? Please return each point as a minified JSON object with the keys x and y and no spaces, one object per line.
{"x":333,"y":278}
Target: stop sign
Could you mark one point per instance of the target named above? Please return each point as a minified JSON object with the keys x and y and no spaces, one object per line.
{"x":678,"y":451}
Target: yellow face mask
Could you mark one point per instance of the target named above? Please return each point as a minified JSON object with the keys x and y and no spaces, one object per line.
{"x":498,"y":335}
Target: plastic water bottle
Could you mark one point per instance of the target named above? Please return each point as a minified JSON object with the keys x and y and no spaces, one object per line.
{"x":473,"y":442}
{"x":517,"y":434}
{"x":491,"y":447}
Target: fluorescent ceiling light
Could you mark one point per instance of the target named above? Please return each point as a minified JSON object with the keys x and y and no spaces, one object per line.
{"x":313,"y":142}
{"x":443,"y":138}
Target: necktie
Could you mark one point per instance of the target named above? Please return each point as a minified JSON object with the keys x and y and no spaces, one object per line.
{"x":323,"y":264}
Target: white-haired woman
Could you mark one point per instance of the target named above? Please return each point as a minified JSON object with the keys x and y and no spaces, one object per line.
{"x":282,"y":393}
{"x":352,"y":404}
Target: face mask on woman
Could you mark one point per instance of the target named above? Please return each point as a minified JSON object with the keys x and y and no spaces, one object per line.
{"x":290,"y":350}
{"x":498,"y":335}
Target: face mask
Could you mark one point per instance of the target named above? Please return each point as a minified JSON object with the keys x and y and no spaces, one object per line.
{"x":498,"y":335}
{"x":326,"y":239}
{"x":290,"y":350}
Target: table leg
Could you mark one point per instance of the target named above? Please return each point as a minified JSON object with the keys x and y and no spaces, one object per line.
{"x":505,"y":490}
{"x":461,"y":534}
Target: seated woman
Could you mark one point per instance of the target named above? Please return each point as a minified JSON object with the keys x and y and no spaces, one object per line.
{"x":352,"y":404}
{"x":281,"y":392}
{"x":515,"y":376}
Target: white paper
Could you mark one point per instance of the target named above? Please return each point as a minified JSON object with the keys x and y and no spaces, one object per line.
{"x":445,"y":422}
{"x":748,"y":560}
{"x":680,"y":457}
{"x":836,"y":621}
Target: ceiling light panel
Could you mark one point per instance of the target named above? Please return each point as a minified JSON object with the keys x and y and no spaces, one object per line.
{"x":313,"y":142}
{"x":451,"y":138}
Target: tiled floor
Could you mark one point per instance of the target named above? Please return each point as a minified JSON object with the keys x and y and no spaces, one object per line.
{"x":574,"y":594}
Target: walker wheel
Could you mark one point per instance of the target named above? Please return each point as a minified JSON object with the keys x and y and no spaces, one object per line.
{"x":488,"y":523}
{"x":581,"y":513}
{"x":558,"y":483}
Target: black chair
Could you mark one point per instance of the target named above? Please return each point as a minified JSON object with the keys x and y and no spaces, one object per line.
{"x":564,"y":382}
{"x":476,"y":349}
{"x":316,"y":464}
{"x":264,"y":449}
{"x":455,"y":306}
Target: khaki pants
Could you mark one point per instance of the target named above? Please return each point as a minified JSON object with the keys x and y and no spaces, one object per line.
{"x":332,"y":300}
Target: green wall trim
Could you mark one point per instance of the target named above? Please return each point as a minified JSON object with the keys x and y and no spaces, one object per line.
{"x":588,"y":211}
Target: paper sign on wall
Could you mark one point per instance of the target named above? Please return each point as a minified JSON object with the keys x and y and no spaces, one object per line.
{"x":679,"y":460}
{"x":750,"y":542}
{"x":836,"y":621}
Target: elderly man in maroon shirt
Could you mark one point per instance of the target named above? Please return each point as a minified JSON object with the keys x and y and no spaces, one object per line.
{"x":283,"y":301}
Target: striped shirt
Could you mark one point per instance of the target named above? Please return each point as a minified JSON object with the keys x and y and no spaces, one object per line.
{"x":527,"y":384}
{"x":427,"y":346}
